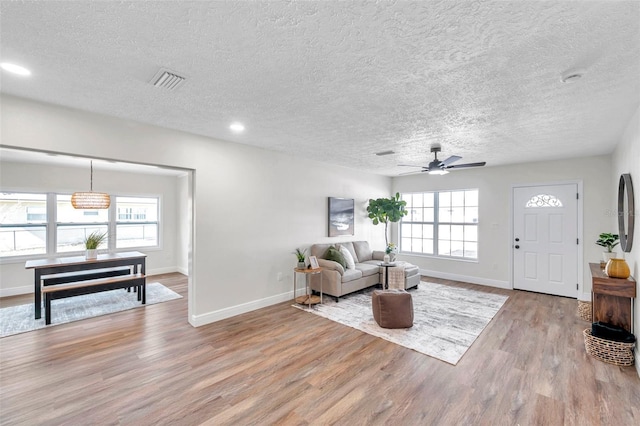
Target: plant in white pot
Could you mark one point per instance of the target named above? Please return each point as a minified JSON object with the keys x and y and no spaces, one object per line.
{"x":385,"y":210}
{"x":300,"y":255}
{"x":609,"y":241}
{"x":92,"y":242}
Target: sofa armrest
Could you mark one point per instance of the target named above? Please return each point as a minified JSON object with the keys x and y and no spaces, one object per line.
{"x":378,"y":255}
{"x":331,"y":265}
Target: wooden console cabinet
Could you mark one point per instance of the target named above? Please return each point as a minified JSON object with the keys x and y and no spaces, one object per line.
{"x":612,"y":298}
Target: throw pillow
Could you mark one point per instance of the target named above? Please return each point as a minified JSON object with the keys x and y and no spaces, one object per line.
{"x":336,"y":256}
{"x":351,"y":264}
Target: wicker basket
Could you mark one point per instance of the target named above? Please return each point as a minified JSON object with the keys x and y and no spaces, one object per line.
{"x":584,"y":310}
{"x":617,"y":353}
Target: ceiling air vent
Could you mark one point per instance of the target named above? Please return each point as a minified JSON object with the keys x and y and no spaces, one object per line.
{"x":167,"y":79}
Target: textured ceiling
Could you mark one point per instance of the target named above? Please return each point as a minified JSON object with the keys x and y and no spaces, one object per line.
{"x":339,"y":81}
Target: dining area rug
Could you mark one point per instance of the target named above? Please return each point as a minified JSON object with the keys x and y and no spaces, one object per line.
{"x":20,"y":319}
{"x":447,"y":319}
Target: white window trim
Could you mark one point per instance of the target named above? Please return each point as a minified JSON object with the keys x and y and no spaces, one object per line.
{"x":436,"y":223}
{"x":51,"y":228}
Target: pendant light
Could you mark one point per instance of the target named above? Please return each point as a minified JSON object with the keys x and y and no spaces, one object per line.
{"x":90,"y":200}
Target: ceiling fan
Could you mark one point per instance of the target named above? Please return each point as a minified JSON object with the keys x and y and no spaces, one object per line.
{"x":437,"y":167}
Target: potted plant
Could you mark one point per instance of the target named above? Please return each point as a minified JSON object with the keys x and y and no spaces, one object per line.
{"x":385,"y":210}
{"x":391,"y":251}
{"x":609,"y":241}
{"x":300,"y":255}
{"x":92,"y":242}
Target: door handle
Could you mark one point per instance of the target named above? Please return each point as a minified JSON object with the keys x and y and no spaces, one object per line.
{"x":517,"y":239}
{"x":517,"y":246}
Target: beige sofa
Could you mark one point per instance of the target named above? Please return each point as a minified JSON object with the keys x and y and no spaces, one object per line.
{"x":338,"y":281}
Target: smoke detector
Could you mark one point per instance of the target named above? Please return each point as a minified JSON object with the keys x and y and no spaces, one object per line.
{"x":571,"y":76}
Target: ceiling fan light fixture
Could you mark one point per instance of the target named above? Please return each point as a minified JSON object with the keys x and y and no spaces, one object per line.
{"x":438,"y":172}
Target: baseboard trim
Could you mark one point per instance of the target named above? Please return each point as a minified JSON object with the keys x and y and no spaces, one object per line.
{"x":467,"y":279}
{"x":16,"y":291}
{"x":167,"y":270}
{"x":210,"y":317}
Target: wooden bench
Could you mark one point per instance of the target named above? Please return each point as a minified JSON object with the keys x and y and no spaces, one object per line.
{"x":69,"y":277}
{"x":77,"y":288}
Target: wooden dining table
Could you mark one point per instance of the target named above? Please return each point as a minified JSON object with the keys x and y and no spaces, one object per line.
{"x":62,"y":270}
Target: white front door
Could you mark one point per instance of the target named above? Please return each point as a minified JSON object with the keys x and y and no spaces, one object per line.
{"x":545,"y":233}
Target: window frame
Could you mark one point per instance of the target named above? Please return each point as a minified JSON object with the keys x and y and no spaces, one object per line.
{"x":51,"y":227}
{"x":119,"y":222}
{"x":436,"y":223}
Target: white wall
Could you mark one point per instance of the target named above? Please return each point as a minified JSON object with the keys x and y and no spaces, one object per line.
{"x":494,"y":233}
{"x":252,"y":207}
{"x":19,"y":177}
{"x":183,"y":225}
{"x":626,"y":159}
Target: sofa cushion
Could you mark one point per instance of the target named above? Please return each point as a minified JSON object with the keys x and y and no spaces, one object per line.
{"x":368,"y":269}
{"x":349,"y":246}
{"x":335,"y":255}
{"x":362,"y":250}
{"x":319,"y":250}
{"x":351,"y":275}
{"x":351,"y":264}
{"x":330,"y":265}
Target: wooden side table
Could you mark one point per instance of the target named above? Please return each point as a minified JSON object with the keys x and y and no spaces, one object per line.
{"x":307,"y":299}
{"x":612,"y":298}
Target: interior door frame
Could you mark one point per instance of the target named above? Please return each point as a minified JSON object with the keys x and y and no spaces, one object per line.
{"x":579,"y":220}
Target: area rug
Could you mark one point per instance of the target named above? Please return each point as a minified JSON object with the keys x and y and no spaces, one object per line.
{"x":447,"y":320}
{"x":19,"y":319}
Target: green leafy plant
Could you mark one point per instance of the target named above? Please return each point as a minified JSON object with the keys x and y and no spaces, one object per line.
{"x":391,"y":248}
{"x":300,"y":254}
{"x":93,"y":240}
{"x":608,"y":240}
{"x":385,"y":210}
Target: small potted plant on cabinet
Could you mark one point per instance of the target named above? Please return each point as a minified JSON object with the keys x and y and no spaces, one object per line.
{"x":609,"y":241}
{"x":92,"y":242}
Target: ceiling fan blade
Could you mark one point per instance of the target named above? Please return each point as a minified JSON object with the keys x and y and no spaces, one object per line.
{"x":450,"y":160}
{"x":408,"y":165}
{"x":411,"y":173}
{"x":462,"y":166}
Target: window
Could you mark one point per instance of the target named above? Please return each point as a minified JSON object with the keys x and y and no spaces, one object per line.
{"x":443,"y":223}
{"x":47,"y":224}
{"x":544,"y":200}
{"x":72,"y":225}
{"x":137,"y":222}
{"x":23,"y":224}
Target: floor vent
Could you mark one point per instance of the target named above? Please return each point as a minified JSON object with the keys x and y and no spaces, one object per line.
{"x":167,"y":80}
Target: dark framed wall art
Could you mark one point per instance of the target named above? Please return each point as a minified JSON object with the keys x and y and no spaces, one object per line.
{"x":341,"y":214}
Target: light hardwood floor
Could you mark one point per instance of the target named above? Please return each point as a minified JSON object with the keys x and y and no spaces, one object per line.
{"x":280,"y":365}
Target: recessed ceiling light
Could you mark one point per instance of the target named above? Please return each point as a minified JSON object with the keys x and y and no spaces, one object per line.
{"x":237,"y":127}
{"x":15,"y":69}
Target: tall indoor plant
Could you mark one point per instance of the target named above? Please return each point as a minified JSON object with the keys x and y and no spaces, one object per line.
{"x":385,"y":210}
